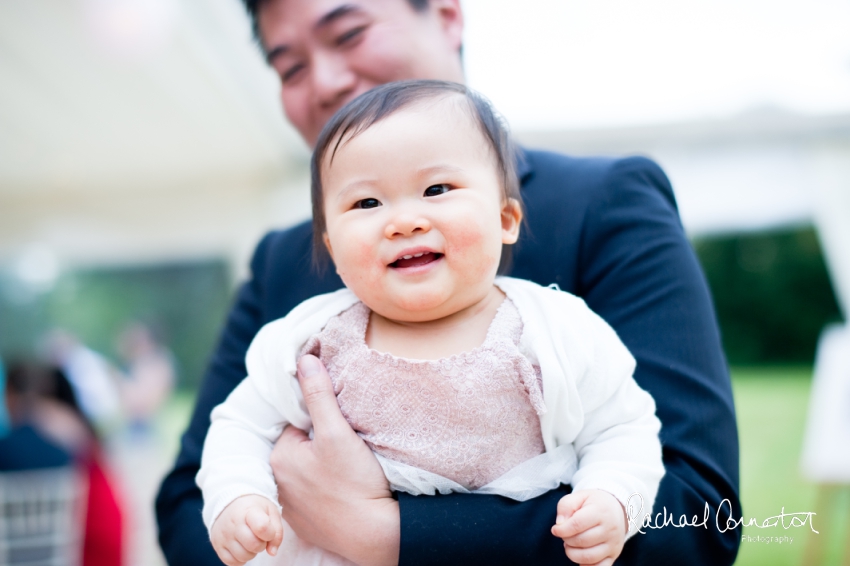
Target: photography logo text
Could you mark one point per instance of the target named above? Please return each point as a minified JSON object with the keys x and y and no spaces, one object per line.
{"x":722,"y":520}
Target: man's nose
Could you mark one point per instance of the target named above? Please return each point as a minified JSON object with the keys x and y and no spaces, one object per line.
{"x":406,"y":224}
{"x":334,"y":82}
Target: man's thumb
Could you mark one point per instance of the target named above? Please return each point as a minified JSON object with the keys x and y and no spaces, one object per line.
{"x":319,"y":395}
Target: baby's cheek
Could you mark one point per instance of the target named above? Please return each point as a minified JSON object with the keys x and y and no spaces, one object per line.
{"x":356,"y":264}
{"x":473,"y":244}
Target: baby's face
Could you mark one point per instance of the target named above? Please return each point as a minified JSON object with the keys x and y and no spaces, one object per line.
{"x":415,"y":213}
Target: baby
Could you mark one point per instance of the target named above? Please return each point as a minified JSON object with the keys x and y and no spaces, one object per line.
{"x":457,"y":379}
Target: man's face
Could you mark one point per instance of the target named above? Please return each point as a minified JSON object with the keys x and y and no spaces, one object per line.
{"x":327,"y":52}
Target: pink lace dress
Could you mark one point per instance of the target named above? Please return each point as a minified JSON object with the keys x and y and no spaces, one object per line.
{"x":470,"y":417}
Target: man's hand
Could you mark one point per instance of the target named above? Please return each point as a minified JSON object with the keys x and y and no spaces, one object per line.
{"x":333,"y":491}
{"x":246,"y":527}
{"x":593,"y":526}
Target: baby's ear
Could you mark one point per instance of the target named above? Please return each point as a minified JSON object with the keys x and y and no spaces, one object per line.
{"x":511,"y":220}
{"x":327,"y":242}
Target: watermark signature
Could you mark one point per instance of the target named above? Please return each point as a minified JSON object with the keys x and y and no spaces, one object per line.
{"x":767,"y":540}
{"x":723,"y":519}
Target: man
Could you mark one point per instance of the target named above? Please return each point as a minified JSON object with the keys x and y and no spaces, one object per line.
{"x":604,"y":229}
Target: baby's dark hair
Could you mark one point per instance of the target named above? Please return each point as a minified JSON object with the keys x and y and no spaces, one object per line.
{"x":373,"y":106}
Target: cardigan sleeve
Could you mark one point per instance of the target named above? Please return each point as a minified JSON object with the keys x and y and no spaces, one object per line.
{"x":235,"y":460}
{"x":591,"y":398}
{"x":238,"y":447}
{"x":618,"y":450}
{"x":617,"y":445}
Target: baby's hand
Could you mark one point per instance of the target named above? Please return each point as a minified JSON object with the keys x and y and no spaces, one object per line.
{"x":593,"y":525}
{"x":246,"y":527}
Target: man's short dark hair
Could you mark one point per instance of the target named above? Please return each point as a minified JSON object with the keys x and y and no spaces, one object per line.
{"x":373,"y":106}
{"x":253,"y":8}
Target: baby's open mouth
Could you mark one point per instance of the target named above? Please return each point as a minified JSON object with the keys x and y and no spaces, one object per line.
{"x":416,"y":260}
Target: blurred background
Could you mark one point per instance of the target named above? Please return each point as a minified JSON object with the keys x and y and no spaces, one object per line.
{"x":143,"y":152}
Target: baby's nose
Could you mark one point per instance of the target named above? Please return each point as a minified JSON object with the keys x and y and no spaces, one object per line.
{"x":407,"y":225}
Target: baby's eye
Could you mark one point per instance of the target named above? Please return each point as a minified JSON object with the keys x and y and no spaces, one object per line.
{"x":367,"y":203}
{"x":435,"y":190}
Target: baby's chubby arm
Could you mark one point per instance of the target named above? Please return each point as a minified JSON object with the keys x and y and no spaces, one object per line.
{"x":243,"y":429}
{"x":619,"y":454}
{"x":619,"y":451}
{"x":246,"y":527}
{"x":235,"y":459}
{"x":617,"y":448}
{"x":241,"y":509}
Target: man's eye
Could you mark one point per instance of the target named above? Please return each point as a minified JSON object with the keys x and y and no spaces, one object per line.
{"x":367,"y":203}
{"x":435,"y":190}
{"x":291,"y":72}
{"x":349,"y":35}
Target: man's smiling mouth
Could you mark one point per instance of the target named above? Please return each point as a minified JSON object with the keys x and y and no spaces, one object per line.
{"x":415,"y":260}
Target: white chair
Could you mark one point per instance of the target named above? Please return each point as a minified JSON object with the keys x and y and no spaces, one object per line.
{"x":42,"y":517}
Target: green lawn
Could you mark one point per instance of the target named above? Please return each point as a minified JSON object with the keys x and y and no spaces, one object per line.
{"x":772,"y":404}
{"x":173,"y":420}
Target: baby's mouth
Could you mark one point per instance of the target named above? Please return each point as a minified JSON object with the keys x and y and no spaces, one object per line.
{"x":416,"y":260}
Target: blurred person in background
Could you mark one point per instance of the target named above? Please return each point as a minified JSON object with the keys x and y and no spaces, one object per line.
{"x":39,"y":490}
{"x":619,"y":245}
{"x":149,"y":378}
{"x":4,"y":415}
{"x":50,"y":430}
{"x":90,"y":374}
{"x":42,"y":433}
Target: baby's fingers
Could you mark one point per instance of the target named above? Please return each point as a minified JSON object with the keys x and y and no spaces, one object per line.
{"x":227,"y":557}
{"x":577,"y":523}
{"x":274,"y":543}
{"x":594,"y":536}
{"x":266,"y":525}
{"x":260,"y":523}
{"x":598,"y":555}
{"x":247,"y":541}
{"x":569,"y":504}
{"x":235,"y":554}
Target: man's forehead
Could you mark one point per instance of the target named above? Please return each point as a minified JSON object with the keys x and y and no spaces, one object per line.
{"x":317,"y":14}
{"x":335,"y":13}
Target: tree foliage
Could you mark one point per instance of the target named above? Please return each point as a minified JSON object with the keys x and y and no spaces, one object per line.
{"x":772,"y":294}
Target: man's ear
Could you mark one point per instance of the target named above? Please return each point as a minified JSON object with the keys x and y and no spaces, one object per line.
{"x":327,"y":242}
{"x":451,"y":19}
{"x":511,"y":220}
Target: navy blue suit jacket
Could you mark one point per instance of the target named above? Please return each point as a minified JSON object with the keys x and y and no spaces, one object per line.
{"x":606,"y":230}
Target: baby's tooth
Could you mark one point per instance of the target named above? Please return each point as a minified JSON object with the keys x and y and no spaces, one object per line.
{"x":406,"y":257}
{"x":419,"y":255}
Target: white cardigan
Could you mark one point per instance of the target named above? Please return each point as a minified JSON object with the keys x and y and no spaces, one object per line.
{"x":595,"y":411}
